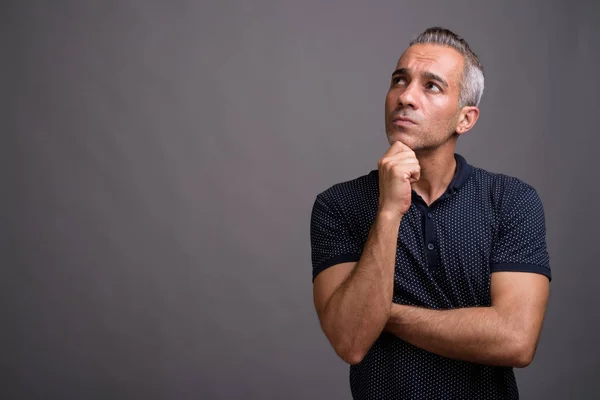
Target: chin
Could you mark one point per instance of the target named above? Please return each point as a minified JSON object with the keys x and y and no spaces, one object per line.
{"x":404,"y":137}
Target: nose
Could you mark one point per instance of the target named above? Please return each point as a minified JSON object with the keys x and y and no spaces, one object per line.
{"x":408,"y":96}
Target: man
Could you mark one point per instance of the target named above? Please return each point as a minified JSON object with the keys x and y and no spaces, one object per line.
{"x":431,"y":276}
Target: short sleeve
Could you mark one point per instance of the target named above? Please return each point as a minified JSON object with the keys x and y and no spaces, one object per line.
{"x":330,"y":237}
{"x":521,"y":241}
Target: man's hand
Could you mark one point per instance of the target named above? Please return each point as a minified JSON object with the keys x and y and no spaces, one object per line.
{"x":398,"y":169}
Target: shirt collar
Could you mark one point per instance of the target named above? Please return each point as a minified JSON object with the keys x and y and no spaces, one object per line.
{"x":461,"y":175}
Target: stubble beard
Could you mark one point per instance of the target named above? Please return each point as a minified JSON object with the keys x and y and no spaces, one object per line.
{"x":425,"y":143}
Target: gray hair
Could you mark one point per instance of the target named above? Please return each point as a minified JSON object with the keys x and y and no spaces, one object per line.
{"x":471,"y":88}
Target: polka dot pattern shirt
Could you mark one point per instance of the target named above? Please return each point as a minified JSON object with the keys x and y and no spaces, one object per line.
{"x":485,"y":222}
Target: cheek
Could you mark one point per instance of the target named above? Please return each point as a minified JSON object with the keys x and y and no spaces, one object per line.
{"x":390,"y":104}
{"x":443,"y":111}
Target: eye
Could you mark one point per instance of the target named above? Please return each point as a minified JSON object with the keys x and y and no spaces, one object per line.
{"x":433,"y":86}
{"x":398,"y":80}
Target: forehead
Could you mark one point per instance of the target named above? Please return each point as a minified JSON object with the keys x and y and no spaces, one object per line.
{"x":440,"y":60}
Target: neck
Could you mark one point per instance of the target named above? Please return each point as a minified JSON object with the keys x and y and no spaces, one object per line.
{"x":437,"y":170}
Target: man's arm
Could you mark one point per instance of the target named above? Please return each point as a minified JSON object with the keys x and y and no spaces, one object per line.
{"x":353,"y":299}
{"x":504,"y":334}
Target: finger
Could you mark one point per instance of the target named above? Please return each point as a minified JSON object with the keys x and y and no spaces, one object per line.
{"x":409,"y":160}
{"x":409,"y":169}
{"x":405,"y":155}
{"x":402,"y":145}
{"x":396,"y":147}
{"x":415,"y":174}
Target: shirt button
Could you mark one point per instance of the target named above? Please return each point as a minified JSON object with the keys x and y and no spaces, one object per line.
{"x":429,"y":215}
{"x":430,"y":246}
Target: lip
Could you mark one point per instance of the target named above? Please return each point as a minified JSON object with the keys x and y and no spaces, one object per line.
{"x":403,"y":121}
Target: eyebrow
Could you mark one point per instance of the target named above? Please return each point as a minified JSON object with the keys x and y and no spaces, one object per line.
{"x":426,"y":74}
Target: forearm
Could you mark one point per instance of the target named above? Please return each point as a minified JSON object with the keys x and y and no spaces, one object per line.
{"x":359,"y":309}
{"x":480,"y":334}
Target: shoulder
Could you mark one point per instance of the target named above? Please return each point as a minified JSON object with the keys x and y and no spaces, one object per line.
{"x":501,"y":182}
{"x":506,"y":192}
{"x":348,"y":193}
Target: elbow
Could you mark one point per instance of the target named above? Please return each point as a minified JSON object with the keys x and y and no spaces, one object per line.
{"x":351,"y":356}
{"x":523,"y":353}
{"x":347,"y":347}
{"x":523,"y":358}
{"x":349,"y":351}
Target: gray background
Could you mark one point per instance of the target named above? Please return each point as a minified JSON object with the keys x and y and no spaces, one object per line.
{"x":160,"y":160}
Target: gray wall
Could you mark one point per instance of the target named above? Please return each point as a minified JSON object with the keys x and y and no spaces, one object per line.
{"x":160,"y":160}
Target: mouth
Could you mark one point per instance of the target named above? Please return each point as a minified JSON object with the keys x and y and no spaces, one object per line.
{"x":403,"y":121}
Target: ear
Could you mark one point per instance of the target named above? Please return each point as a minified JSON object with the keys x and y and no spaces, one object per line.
{"x":468,"y":116}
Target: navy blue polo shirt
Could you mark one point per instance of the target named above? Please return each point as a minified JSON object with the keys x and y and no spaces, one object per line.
{"x":484,"y":222}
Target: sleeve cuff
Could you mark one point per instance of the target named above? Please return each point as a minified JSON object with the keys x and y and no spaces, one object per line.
{"x":342,"y":258}
{"x":516,"y":267}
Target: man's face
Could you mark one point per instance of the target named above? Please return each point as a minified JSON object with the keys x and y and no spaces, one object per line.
{"x":421,"y":107}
